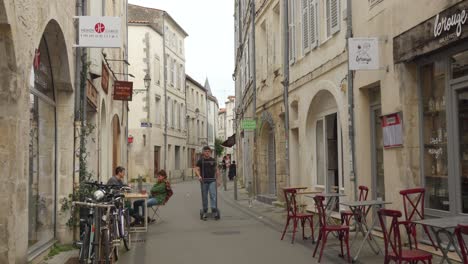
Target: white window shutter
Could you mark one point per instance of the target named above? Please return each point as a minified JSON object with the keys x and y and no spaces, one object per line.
{"x":313,"y":19}
{"x":292,"y":32}
{"x":305,"y":26}
{"x":334,"y":16}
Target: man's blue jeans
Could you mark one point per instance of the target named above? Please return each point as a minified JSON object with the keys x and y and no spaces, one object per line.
{"x":140,"y":204}
{"x":209,"y":187}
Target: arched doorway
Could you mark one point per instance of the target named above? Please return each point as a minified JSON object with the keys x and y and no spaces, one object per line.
{"x":323,"y":133}
{"x":103,"y":146}
{"x":116,"y":160}
{"x":267,"y":157}
{"x":49,"y":88}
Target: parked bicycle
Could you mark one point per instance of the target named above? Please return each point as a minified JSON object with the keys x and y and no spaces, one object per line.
{"x":106,"y":224}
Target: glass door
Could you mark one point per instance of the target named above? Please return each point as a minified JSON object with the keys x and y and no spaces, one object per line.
{"x":327,"y":153}
{"x":462,"y":127}
{"x":378,"y":181}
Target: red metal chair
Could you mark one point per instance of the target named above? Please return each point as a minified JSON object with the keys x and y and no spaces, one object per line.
{"x":325,"y":229}
{"x":295,"y":215}
{"x":413,"y":204}
{"x":348,"y":214}
{"x":392,"y":240}
{"x":460,"y":231}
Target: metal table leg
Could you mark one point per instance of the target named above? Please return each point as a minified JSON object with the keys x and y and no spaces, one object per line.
{"x":451,"y":242}
{"x":366,"y":234}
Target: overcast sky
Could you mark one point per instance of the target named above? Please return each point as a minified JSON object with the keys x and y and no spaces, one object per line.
{"x":210,"y":44}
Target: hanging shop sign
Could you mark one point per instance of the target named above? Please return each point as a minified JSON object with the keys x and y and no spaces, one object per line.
{"x":105,"y":78}
{"x":392,"y":128}
{"x":447,"y":27}
{"x":363,"y":53}
{"x":99,"y":32}
{"x":123,"y":90}
{"x":92,"y":95}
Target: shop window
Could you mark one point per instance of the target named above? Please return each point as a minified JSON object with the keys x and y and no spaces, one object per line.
{"x":460,"y":65}
{"x":462,"y":105}
{"x":42,"y":149}
{"x":435,"y":136}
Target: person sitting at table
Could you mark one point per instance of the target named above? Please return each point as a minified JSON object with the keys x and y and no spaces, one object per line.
{"x":160,"y":194}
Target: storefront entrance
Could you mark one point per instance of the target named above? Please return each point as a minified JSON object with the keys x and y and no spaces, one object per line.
{"x":444,"y":86}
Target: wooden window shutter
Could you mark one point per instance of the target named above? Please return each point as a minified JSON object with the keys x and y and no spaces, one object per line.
{"x":334,"y":16}
{"x":292,"y":31}
{"x":305,"y":26}
{"x":313,"y":9}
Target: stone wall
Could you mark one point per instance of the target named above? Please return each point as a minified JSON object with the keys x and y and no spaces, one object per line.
{"x":22,"y":24}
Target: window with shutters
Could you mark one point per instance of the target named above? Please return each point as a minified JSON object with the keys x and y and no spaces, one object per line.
{"x":182,"y":78}
{"x":292,"y":31}
{"x":175,"y":73}
{"x":333,"y":16}
{"x":176,"y":76}
{"x":313,"y":26}
{"x":305,"y":26}
{"x":171,"y":73}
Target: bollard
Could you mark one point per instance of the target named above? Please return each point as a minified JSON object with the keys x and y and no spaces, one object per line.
{"x":235,"y":188}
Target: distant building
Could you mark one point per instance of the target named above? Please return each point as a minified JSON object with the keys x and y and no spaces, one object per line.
{"x":196,"y":118}
{"x":158,"y":115}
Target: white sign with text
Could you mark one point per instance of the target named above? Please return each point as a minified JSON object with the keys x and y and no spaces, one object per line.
{"x":363,"y":53}
{"x":100,"y":32}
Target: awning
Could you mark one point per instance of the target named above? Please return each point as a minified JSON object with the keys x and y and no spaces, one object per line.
{"x":231,"y":141}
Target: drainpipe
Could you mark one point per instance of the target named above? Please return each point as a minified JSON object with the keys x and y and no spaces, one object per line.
{"x":253,"y":68}
{"x":286,"y":83}
{"x":126,"y":66}
{"x":77,"y":86}
{"x":165,"y":90}
{"x":349,"y":34}
{"x":84,"y":101}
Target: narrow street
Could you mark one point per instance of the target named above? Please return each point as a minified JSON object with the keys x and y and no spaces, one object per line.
{"x":181,"y":237}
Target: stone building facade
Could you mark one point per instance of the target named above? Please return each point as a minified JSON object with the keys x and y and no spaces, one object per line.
{"x":244,"y":90}
{"x":39,"y":120}
{"x":423,"y":83}
{"x":147,"y":115}
{"x":317,"y":103}
{"x":174,"y":150}
{"x":196,"y":118}
{"x":212,"y":115}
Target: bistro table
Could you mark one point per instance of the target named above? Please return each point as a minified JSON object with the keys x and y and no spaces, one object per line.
{"x":332,"y":201}
{"x":360,"y":211}
{"x":131,"y":197}
{"x":445,"y":225}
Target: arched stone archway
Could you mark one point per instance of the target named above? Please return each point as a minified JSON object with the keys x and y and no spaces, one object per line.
{"x":116,"y":139}
{"x":323,"y":134}
{"x":267,"y":156}
{"x":103,"y":144}
{"x":51,"y":148}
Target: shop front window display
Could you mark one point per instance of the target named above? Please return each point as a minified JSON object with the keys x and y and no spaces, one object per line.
{"x":435,"y":136}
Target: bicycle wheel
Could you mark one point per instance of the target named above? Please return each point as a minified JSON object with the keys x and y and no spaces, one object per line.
{"x":125,"y":228}
{"x":84,"y":250}
{"x":106,"y":247}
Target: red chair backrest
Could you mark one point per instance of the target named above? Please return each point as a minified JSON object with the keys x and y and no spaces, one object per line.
{"x":413,"y":203}
{"x":320,"y":209}
{"x":460,"y":231}
{"x":291,"y":204}
{"x":363,"y":191}
{"x":392,"y":239}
